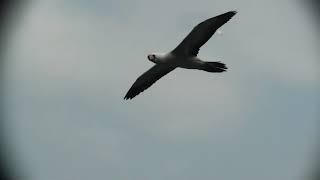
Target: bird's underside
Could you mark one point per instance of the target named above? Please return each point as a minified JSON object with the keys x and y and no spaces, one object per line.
{"x":183,"y":56}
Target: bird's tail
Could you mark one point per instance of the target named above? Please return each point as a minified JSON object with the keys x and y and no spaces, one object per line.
{"x":214,"y":67}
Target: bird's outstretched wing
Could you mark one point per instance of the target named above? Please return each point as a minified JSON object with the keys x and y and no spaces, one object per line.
{"x":147,"y":79}
{"x":201,"y":34}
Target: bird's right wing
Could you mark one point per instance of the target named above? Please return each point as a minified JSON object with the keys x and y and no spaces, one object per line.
{"x":147,"y":79}
{"x":201,"y":34}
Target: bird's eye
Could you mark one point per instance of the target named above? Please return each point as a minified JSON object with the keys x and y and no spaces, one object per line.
{"x":151,"y":57}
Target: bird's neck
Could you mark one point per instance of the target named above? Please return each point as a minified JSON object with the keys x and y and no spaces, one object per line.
{"x":160,"y":57}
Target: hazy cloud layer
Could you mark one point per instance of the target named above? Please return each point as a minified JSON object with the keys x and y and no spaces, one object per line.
{"x":71,"y":62}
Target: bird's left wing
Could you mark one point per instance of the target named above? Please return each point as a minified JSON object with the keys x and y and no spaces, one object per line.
{"x":201,"y":34}
{"x":147,"y":79}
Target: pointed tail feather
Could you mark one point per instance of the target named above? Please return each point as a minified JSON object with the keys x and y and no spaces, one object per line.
{"x":214,"y":67}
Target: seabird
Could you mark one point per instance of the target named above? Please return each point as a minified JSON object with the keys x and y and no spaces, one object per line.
{"x":183,"y":56}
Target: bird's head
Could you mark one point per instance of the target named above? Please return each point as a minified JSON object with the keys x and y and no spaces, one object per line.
{"x":152,"y":57}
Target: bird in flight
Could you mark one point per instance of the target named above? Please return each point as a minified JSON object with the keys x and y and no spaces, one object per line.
{"x":183,"y":56}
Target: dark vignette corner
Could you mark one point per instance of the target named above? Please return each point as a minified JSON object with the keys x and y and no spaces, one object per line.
{"x":8,"y":8}
{"x":314,"y":7}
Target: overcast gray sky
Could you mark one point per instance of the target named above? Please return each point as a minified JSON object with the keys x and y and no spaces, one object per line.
{"x":70,"y":62}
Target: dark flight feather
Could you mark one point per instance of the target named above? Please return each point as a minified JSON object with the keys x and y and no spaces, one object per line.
{"x":147,"y":79}
{"x":200,"y":34}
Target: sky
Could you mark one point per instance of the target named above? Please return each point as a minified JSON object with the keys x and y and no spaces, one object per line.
{"x":70,"y":63}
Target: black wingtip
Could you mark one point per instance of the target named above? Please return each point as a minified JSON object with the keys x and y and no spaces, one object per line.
{"x":226,"y":16}
{"x":231,"y":13}
{"x":127,"y":97}
{"x":130,"y":94}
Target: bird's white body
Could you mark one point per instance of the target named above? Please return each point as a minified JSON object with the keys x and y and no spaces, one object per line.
{"x":169,"y":59}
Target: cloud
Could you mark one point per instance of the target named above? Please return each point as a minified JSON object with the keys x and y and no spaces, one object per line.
{"x":71,"y":63}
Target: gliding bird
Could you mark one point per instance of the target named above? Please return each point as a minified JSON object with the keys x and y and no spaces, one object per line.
{"x":183,"y":56}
